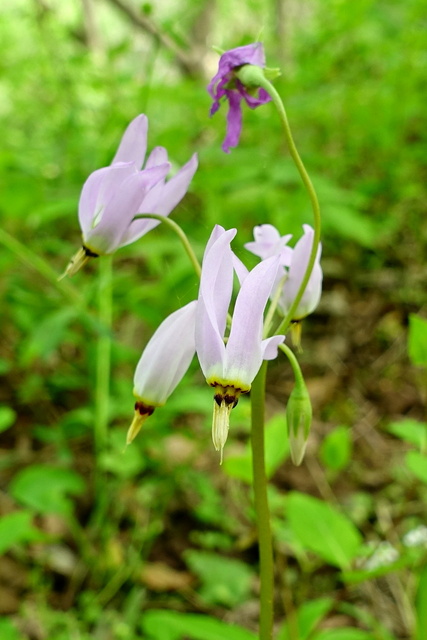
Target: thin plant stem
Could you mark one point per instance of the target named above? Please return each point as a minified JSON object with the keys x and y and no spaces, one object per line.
{"x":293,"y":362}
{"x":261,"y":505}
{"x":277,"y":101}
{"x":180,"y":233}
{"x":103,"y":353}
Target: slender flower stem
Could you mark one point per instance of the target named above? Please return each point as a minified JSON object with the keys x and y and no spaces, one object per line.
{"x":277,"y":101}
{"x":180,"y":233}
{"x":186,"y":243}
{"x":293,"y":362}
{"x":261,"y":505}
{"x":103,"y":353}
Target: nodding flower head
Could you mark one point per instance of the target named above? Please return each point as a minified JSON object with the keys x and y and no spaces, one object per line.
{"x":226,"y":84}
{"x":294,"y":263}
{"x":163,"y":363}
{"x":112,"y":196}
{"x":231,"y":367}
{"x":296,"y":272}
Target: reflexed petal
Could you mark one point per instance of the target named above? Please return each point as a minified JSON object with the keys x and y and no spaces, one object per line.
{"x":159,"y":155}
{"x":166,"y":357}
{"x":248,"y":54}
{"x":301,"y":254}
{"x":300,"y":258}
{"x":312,"y":294}
{"x":251,"y":100}
{"x":89,"y":197}
{"x":98,"y":190}
{"x":216,"y":286}
{"x":234,"y":121}
{"x":162,"y":199}
{"x":269,"y":347}
{"x":226,"y":84}
{"x":118,"y":213}
{"x":268,"y":242}
{"x":240,"y":269}
{"x":133,"y":145}
{"x":244,"y":352}
{"x":217,"y":232}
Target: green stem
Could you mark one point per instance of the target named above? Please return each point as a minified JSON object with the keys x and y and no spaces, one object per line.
{"x":299,"y":378}
{"x":261,"y":505}
{"x":277,"y":101}
{"x":103,"y":353}
{"x":180,"y":233}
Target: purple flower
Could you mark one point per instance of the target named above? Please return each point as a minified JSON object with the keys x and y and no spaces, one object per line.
{"x":163,"y":363}
{"x":112,"y":196}
{"x":226,"y":84}
{"x":230,"y":368}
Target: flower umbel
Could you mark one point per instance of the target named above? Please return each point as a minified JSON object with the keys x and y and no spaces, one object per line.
{"x":163,"y":363}
{"x":230,"y":368}
{"x":113,"y":195}
{"x":226,"y":84}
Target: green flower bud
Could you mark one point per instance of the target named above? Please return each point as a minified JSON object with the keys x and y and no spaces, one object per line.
{"x":250,"y":75}
{"x":298,"y":417}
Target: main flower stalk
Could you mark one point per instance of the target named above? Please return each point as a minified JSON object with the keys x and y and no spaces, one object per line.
{"x":254,"y":75}
{"x":262,"y":509}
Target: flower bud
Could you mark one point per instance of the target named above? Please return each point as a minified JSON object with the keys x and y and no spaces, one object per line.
{"x":298,"y":416}
{"x":252,"y":76}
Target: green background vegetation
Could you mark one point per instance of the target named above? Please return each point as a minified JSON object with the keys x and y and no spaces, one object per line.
{"x":158,"y":542}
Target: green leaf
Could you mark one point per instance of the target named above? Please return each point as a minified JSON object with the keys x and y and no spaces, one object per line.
{"x":345,"y":633}
{"x":410,"y":431}
{"x":321,"y":528}
{"x":276,"y":452}
{"x":417,"y":340}
{"x":225,"y":581}
{"x":308,"y":617}
{"x":348,"y":223}
{"x":7,"y":418}
{"x":421,"y":606}
{"x":44,"y":488}
{"x":417,"y":463}
{"x":119,"y":459}
{"x":48,"y":334}
{"x":8,"y":631}
{"x":17,"y":528}
{"x":171,"y":625}
{"x":336,"y":448}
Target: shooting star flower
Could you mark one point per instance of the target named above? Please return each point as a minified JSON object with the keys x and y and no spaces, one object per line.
{"x":230,"y":368}
{"x":226,"y":84}
{"x":163,"y":363}
{"x":112,"y":196}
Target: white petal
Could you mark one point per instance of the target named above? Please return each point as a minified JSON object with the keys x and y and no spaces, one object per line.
{"x":244,"y":352}
{"x":133,"y":145}
{"x":216,"y":286}
{"x":166,"y":357}
{"x":162,"y":199}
